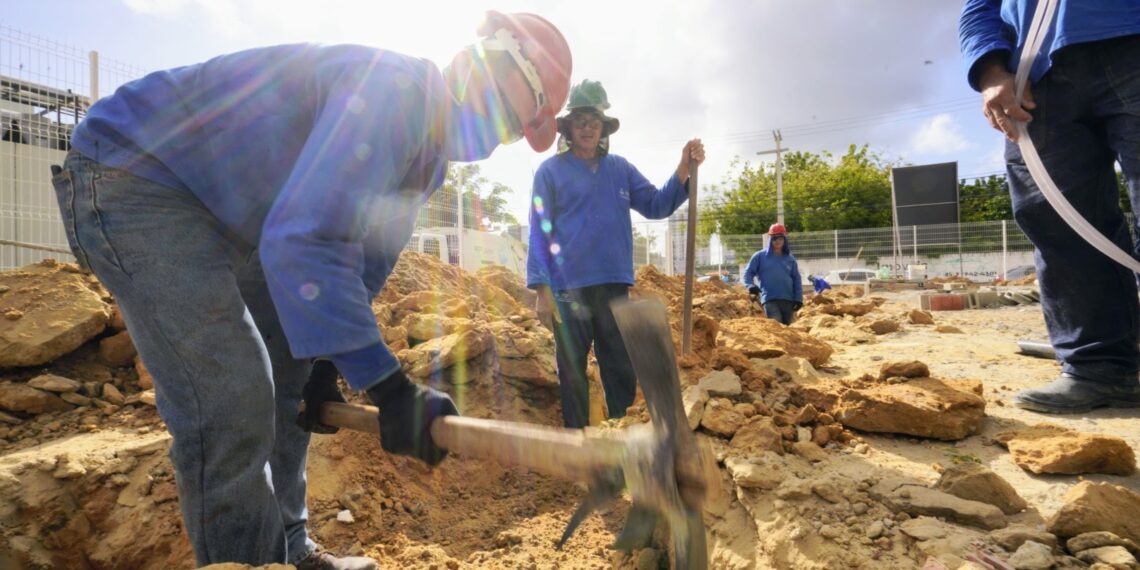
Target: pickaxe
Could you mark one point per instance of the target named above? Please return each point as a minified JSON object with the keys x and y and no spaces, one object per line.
{"x":667,"y":472}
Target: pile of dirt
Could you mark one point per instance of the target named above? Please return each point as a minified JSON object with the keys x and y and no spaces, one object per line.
{"x":822,"y":443}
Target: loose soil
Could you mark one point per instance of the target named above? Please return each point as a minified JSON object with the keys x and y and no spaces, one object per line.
{"x":92,"y":487}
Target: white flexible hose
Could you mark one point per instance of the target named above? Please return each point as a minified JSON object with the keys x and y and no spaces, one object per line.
{"x":1038,"y":29}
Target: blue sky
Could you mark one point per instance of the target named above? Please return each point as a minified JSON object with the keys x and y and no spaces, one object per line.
{"x":828,"y":73}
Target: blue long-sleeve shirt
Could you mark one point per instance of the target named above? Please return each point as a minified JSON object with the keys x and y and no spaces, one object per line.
{"x":777,"y":275}
{"x":580,"y":229}
{"x":997,"y":25}
{"x":319,"y":155}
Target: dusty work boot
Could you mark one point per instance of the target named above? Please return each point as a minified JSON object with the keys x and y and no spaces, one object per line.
{"x":320,"y":559}
{"x":1071,"y":395}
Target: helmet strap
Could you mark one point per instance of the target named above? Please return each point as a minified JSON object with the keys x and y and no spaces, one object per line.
{"x":504,"y":40}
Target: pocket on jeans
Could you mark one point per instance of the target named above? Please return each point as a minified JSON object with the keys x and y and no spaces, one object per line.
{"x":101,"y":185}
{"x":65,"y":197}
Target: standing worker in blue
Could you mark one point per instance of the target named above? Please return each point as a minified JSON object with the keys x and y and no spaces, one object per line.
{"x":1082,"y":108}
{"x":774,"y":277}
{"x":245,"y":211}
{"x":581,"y":247}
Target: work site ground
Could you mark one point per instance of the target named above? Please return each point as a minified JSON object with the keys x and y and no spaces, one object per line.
{"x":869,"y":434}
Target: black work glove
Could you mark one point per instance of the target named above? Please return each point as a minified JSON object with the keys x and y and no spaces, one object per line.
{"x":754,"y":290}
{"x":406,"y":413}
{"x":320,"y":388}
{"x":797,"y":306}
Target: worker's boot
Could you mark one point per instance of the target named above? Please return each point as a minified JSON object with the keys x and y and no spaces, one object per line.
{"x":320,"y":559}
{"x":1072,"y":395}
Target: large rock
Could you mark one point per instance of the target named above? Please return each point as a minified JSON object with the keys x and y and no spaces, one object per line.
{"x":721,"y":417}
{"x":1110,"y":556}
{"x":766,"y":338}
{"x":146,"y":381}
{"x":924,"y":407}
{"x":856,"y":309}
{"x":763,"y":471}
{"x":426,"y":326}
{"x":53,"y":383}
{"x":1098,"y":539}
{"x":446,"y":351}
{"x":1012,"y":537}
{"x":976,"y":482}
{"x":1032,"y":556}
{"x":918,"y":317}
{"x":1046,"y":448}
{"x":538,"y":370}
{"x":24,"y":398}
{"x":1098,"y":506}
{"x":509,"y":282}
{"x":904,"y":369}
{"x":883,"y":326}
{"x":921,"y":501}
{"x":514,"y":342}
{"x":117,"y":349}
{"x":58,"y":312}
{"x":758,"y":434}
{"x":721,"y":383}
{"x":694,"y":399}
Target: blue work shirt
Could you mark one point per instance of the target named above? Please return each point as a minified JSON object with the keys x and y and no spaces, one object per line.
{"x":318,"y":155}
{"x":580,"y":229}
{"x":989,"y":25}
{"x":777,"y":275}
{"x":819,"y":284}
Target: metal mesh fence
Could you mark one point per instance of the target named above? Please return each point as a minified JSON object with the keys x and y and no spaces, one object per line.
{"x":979,"y":250}
{"x":45,"y":89}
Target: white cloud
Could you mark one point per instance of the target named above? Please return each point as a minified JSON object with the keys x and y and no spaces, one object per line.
{"x":940,"y":135}
{"x":156,"y":7}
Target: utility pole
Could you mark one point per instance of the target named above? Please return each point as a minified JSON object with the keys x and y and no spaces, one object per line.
{"x":779,"y":174}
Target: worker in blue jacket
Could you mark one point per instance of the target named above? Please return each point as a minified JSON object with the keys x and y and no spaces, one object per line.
{"x":245,"y":211}
{"x":1082,"y":108}
{"x":580,"y":257}
{"x":818,"y":284}
{"x":773,"y":276}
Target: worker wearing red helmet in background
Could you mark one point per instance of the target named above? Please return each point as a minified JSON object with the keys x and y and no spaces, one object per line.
{"x":245,"y":211}
{"x":774,"y":277}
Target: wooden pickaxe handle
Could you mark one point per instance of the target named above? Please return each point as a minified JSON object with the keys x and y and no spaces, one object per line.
{"x":566,"y":453}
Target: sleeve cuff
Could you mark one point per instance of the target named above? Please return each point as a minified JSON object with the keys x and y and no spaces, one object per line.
{"x":367,"y":366}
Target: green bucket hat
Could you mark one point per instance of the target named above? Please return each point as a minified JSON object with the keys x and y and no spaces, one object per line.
{"x":588,"y":97}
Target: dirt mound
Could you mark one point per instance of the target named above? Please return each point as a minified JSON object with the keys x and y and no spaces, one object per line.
{"x":90,"y":486}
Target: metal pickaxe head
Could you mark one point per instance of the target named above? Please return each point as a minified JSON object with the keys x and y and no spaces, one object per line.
{"x":665,"y":470}
{"x":662,"y":465}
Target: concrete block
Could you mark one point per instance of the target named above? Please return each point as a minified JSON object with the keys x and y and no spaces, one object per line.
{"x":987,"y":299}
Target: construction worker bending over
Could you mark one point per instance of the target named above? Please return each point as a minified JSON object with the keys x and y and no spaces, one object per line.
{"x":581,"y":247}
{"x":774,"y":277}
{"x":245,"y":211}
{"x":818,"y":284}
{"x":1082,"y":105}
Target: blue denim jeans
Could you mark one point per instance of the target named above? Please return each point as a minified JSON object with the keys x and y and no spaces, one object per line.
{"x":195,"y":301}
{"x":588,"y":321}
{"x":781,"y":310}
{"x":1088,"y":116}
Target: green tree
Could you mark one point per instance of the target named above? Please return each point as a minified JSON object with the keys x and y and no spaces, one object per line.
{"x":821,"y":192}
{"x":984,"y":199}
{"x":484,"y":201}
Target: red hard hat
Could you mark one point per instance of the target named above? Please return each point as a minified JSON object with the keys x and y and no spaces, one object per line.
{"x":549,"y":57}
{"x":777,"y":230}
